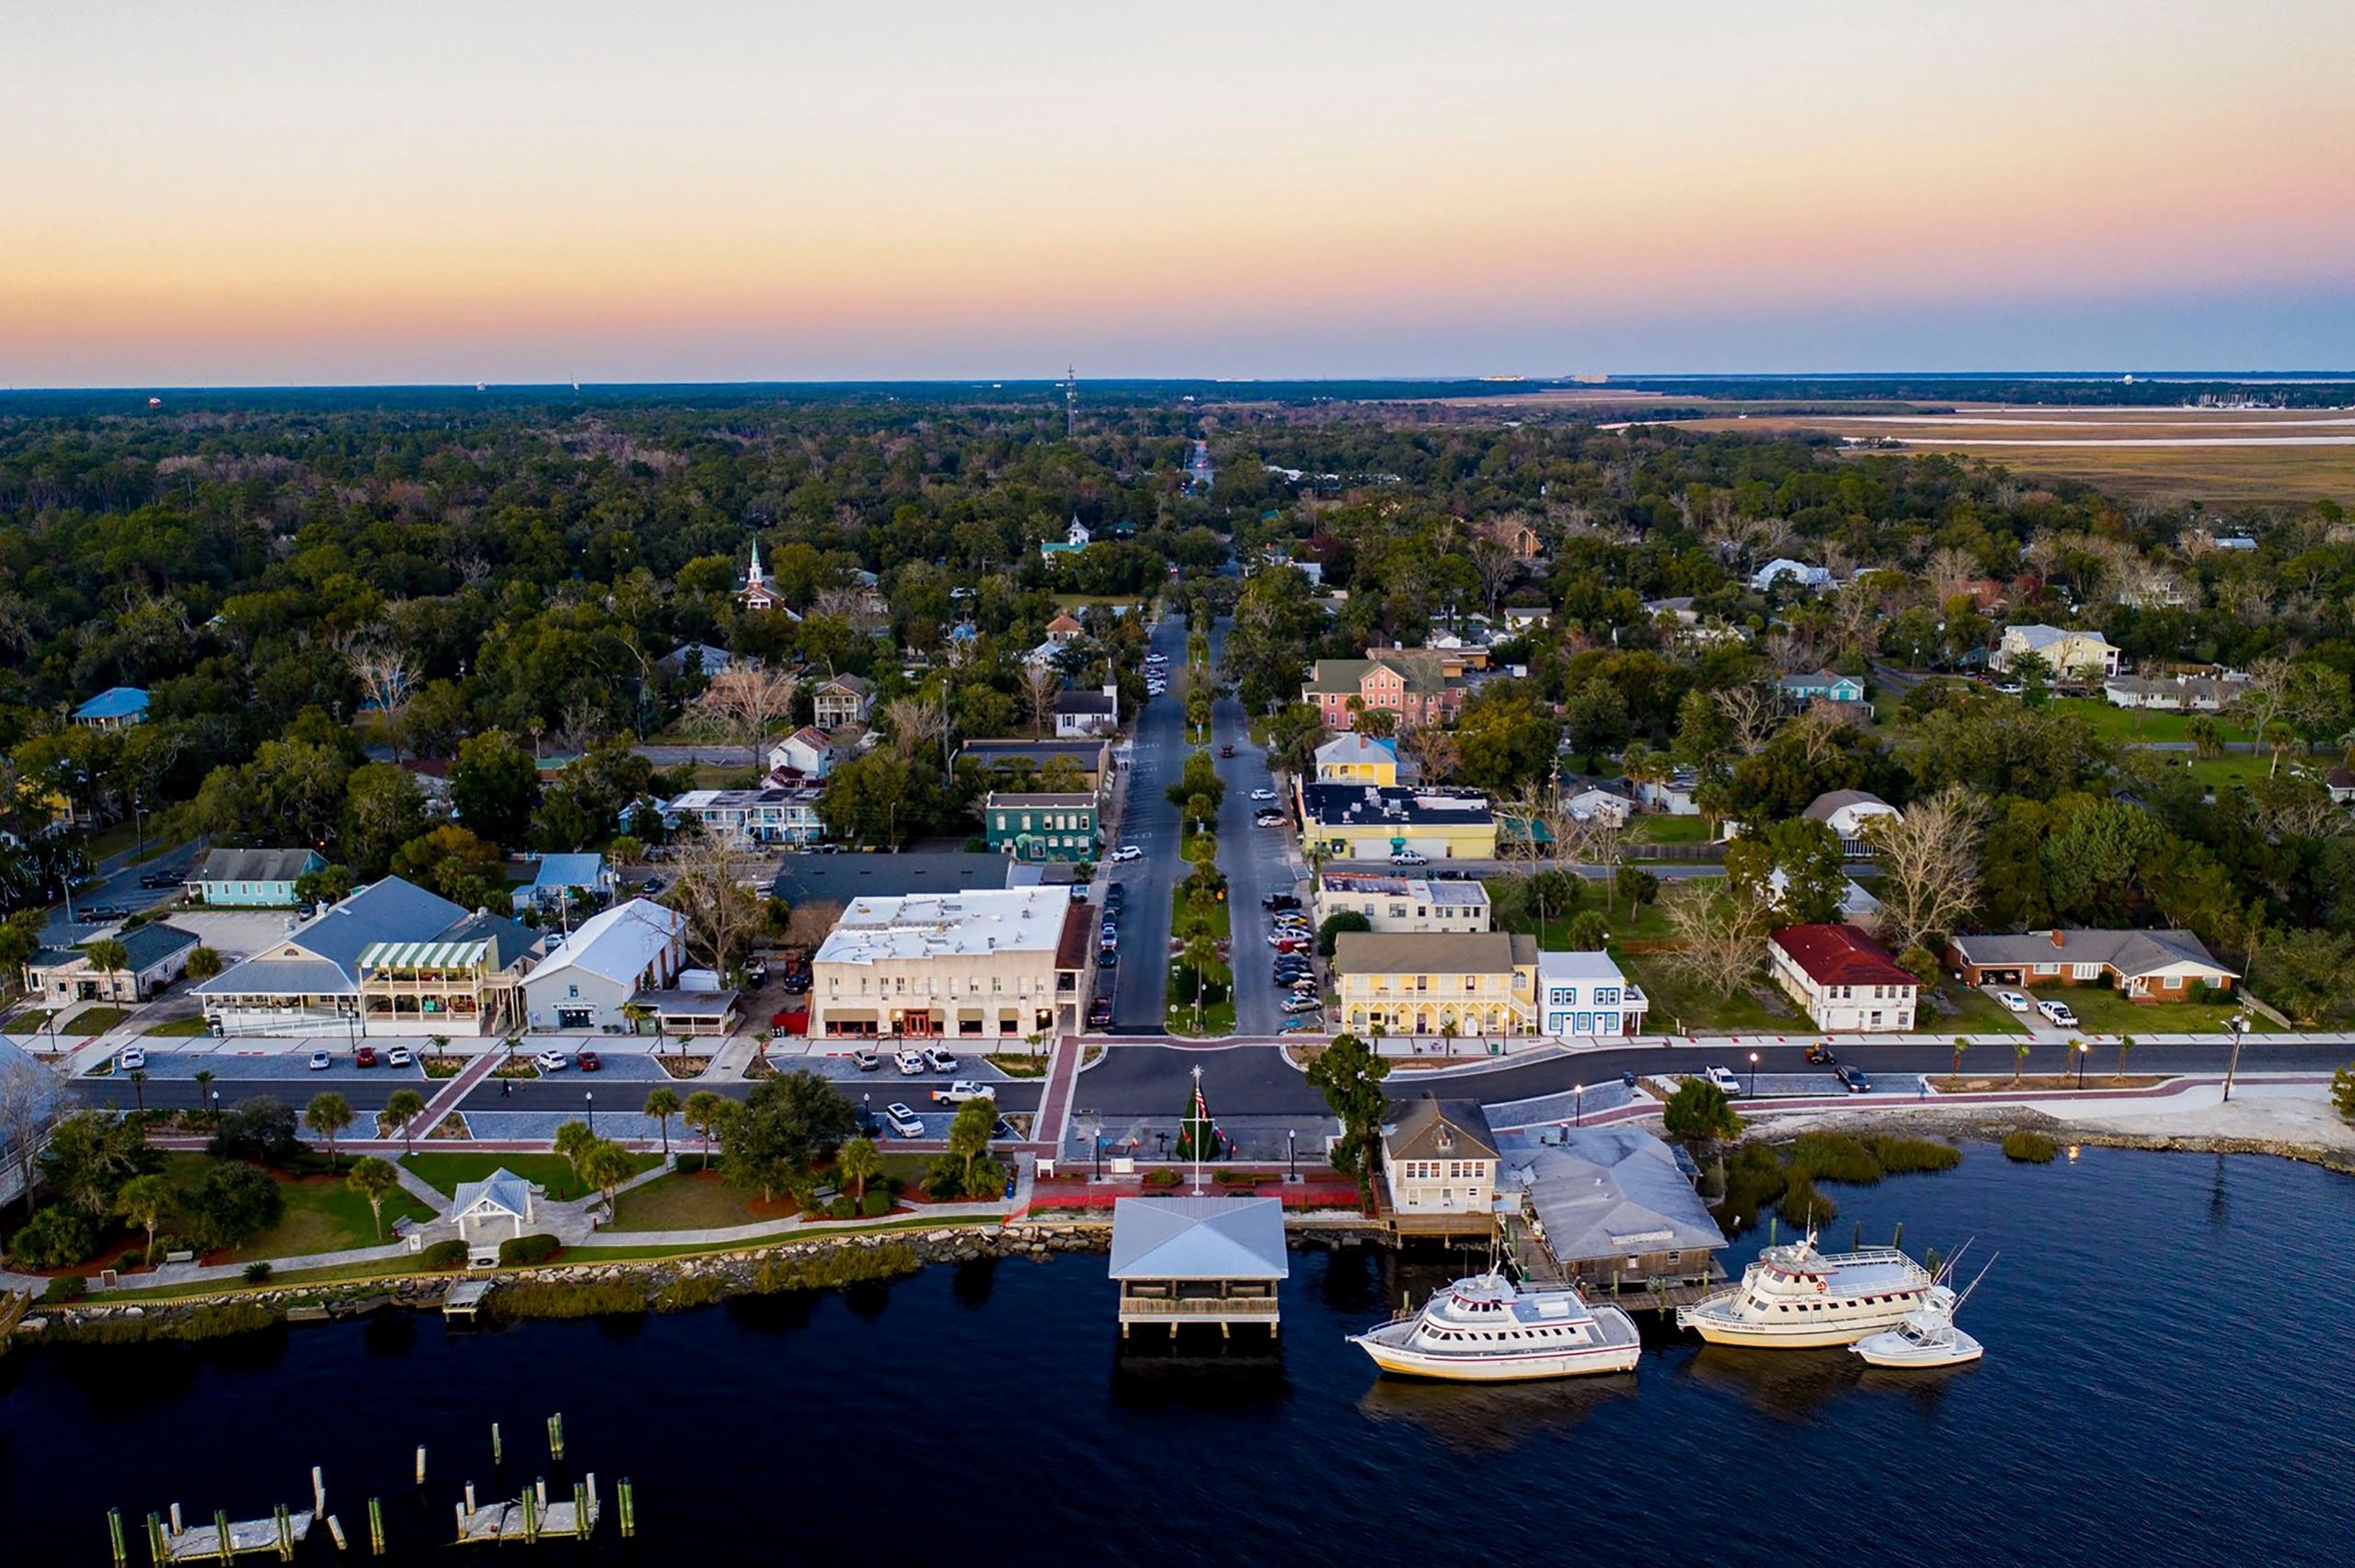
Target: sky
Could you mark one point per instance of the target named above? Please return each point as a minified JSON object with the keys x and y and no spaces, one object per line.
{"x":232,"y":192}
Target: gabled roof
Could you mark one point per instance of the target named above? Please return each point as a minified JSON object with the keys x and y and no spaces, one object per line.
{"x":115,"y":701}
{"x":1831,"y":802}
{"x":1199,"y":1238}
{"x":1081,"y":701}
{"x":1358,"y":750}
{"x":1842,"y":955}
{"x":1612,"y":1190}
{"x":1065,"y":622}
{"x":585,"y":870}
{"x":390,"y":910}
{"x":502,"y":1192}
{"x":149,"y":944}
{"x":1432,"y":1128}
{"x":858,"y":685}
{"x":617,"y":944}
{"x":1432,"y":953}
{"x":256,"y":865}
{"x":2129,"y":953}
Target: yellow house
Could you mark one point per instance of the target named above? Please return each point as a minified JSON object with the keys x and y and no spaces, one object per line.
{"x":1354,"y":759}
{"x":1374,"y":822}
{"x":1454,"y":984}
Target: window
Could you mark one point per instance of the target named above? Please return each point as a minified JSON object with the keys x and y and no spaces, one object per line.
{"x":1606,"y":996}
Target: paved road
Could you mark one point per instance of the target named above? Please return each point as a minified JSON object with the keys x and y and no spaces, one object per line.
{"x":1150,"y":822}
{"x":1255,"y":860}
{"x":118,"y":883}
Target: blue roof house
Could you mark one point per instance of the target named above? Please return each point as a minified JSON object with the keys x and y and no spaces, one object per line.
{"x":117,"y":707}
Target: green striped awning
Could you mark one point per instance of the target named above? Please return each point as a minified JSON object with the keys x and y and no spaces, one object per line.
{"x":423,"y":955}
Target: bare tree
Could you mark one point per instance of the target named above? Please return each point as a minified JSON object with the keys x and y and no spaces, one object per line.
{"x":1434,"y":751}
{"x":1928,"y":860}
{"x":32,"y":1101}
{"x":382,"y":670}
{"x":809,"y":923}
{"x":722,"y":913}
{"x":1720,"y":936}
{"x":1039,"y":683}
{"x":1755,"y":712}
{"x":1498,"y":566}
{"x":745,"y":703}
{"x":916,"y":722}
{"x":1951,"y":572}
{"x":1603,"y":843}
{"x":2262,"y":701}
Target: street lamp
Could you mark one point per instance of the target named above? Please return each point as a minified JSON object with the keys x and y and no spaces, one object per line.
{"x":1754,"y":1075}
{"x":2240,"y":1027}
{"x":1578,"y":1105}
{"x":1291,"y":1154}
{"x":591,"y":1096}
{"x":2084,"y":1050}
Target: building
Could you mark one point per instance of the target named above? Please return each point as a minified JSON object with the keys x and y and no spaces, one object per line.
{"x":805,"y":752}
{"x":1585,"y":994}
{"x":117,"y":707}
{"x":1521,"y":619}
{"x":756,"y":591}
{"x":768,"y":815}
{"x":843,"y":701}
{"x":1615,"y":1210}
{"x":1355,"y":758}
{"x":985,"y":967}
{"x":2144,"y":966}
{"x":501,"y":1196}
{"x":1199,"y":1260}
{"x":2174,"y":693}
{"x":1783,"y":572}
{"x":1419,"y":685}
{"x":309,"y":981}
{"x":695,"y":658}
{"x":2340,"y":782}
{"x":1472,"y":984}
{"x":154,"y":956}
{"x":1079,"y":713}
{"x":841,"y":879}
{"x":1823,"y":685}
{"x":1041,"y":826}
{"x":1076,"y":537}
{"x":1673,"y":794}
{"x":252,"y":878}
{"x":634,"y":947}
{"x":1844,"y":980}
{"x":1439,"y":1167}
{"x":1370,"y":822}
{"x":1598,"y":800}
{"x":1846,"y":812}
{"x":559,"y":878}
{"x":1402,"y":903}
{"x":2069,"y":655}
{"x":1065,"y":629}
{"x":1023,"y":760}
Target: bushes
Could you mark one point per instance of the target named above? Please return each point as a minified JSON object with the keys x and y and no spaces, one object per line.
{"x":876,"y":1204}
{"x":1801,"y":1206}
{"x":234,"y":1204}
{"x":63,"y":1289}
{"x":256,"y":1129}
{"x":257,"y":1271}
{"x":55,"y":1237}
{"x":2030,"y":1148}
{"x":444,"y":1255}
{"x":202,"y":1322}
{"x":547,"y":1298}
{"x":1161,"y":1177}
{"x":528,"y":1249}
{"x":1904,"y":1156}
{"x":1827,"y":1156}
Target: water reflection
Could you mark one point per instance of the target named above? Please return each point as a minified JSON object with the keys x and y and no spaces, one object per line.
{"x":1789,"y":1385}
{"x":1489,"y":1418}
{"x":786,"y":1313}
{"x":972,"y":1281}
{"x":1195,"y":1369}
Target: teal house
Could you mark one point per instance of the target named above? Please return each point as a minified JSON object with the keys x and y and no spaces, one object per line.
{"x":1041,"y":826}
{"x":1823,"y":683}
{"x":251,"y":879}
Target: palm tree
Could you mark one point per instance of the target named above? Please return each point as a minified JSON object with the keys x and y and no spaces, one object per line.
{"x":327,"y":1114}
{"x":860,"y":1163}
{"x":439,"y":1044}
{"x":2125,"y":1043}
{"x":572,"y":1140}
{"x":204,"y":1076}
{"x":662,"y":1103}
{"x":702,"y":1113}
{"x":1960,"y":1045}
{"x":1200,"y":956}
{"x":145,"y":1201}
{"x":401,"y":1109}
{"x":637,"y":1012}
{"x":108,"y":956}
{"x":2019,"y":1061}
{"x":372,"y":1178}
{"x":605,"y":1165}
{"x":139,"y":1086}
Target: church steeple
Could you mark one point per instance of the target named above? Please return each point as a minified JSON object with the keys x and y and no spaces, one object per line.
{"x":752,"y":577}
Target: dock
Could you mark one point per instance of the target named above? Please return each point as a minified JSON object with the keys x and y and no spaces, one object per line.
{"x":465,"y":1298}
{"x":531,"y":1517}
{"x":278,"y":1535}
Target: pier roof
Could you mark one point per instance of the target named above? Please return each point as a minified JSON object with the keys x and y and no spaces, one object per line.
{"x":1199,"y":1238}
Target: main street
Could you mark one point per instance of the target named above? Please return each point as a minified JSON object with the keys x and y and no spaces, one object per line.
{"x":1157,"y":752}
{"x":1257,"y":860}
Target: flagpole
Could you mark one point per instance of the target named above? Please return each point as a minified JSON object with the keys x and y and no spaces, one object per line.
{"x":1195,"y":1133}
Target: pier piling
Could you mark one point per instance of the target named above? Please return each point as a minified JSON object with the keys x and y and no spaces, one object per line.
{"x":156,"y":1550}
{"x":470,"y":1498}
{"x":420,"y":1464}
{"x":318,"y":1493}
{"x":114,"y":1538}
{"x":627,"y":1496}
{"x":221,"y":1534}
{"x":175,"y":1516}
{"x":376,"y":1526}
{"x":556,"y":1436}
{"x":497,"y":1451}
{"x":284,"y":1522}
{"x":335,"y":1529}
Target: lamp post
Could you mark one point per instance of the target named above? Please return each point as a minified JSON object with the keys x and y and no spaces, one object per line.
{"x":2084,"y":1050}
{"x":589,"y":1095}
{"x":1754,"y":1075}
{"x":1578,"y":1105}
{"x":2240,"y":1027}
{"x":1291,"y":1154}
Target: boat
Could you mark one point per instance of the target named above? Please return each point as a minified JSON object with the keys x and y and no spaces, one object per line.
{"x":1486,"y":1329}
{"x":1794,"y":1298}
{"x":1928,"y":1336}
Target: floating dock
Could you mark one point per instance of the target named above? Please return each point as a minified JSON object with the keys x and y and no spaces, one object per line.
{"x":532,"y":1517}
{"x":465,"y":1298}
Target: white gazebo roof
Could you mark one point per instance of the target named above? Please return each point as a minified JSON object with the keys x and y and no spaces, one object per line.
{"x":1199,"y":1238}
{"x":502,"y":1192}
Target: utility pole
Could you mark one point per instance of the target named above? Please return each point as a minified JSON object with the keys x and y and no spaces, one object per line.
{"x":2240,"y":1027}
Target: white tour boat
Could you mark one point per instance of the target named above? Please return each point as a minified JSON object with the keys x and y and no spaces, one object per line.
{"x":1928,"y":1336}
{"x":1794,"y":1298}
{"x":1485,"y":1328}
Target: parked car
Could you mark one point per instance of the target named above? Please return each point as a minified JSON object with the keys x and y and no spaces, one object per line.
{"x":2058,"y":1014}
{"x":1290,"y":944}
{"x":551,"y":1061}
{"x":1263,"y":795}
{"x":2012,"y":1001}
{"x":132,"y":1059}
{"x":956,"y":1093}
{"x":903,"y":1120}
{"x":1408,"y":858}
{"x":1268,"y":819}
{"x":1099,"y":1012}
{"x":1821,"y":1055}
{"x":591,"y":1061}
{"x":910,"y":1063}
{"x":866,"y":1060}
{"x":321,"y":1062}
{"x":1302,"y":1005}
{"x":941,"y":1062}
{"x":1853,"y":1079}
{"x":1723,"y":1077}
{"x":650,"y":887}
{"x":399,"y":1056}
{"x":1226,"y":750}
{"x":1127,"y":851}
{"x":1280,"y":901}
{"x":364,"y":1056}
{"x":159,"y":879}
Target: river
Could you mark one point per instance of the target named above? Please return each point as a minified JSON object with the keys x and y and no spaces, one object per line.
{"x":2166,"y":1382}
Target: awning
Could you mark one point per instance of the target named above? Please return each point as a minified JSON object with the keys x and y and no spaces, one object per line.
{"x":422,"y":955}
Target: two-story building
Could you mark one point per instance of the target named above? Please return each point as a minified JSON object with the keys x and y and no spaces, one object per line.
{"x":1079,"y":713}
{"x":2071,"y":655}
{"x":1041,"y":826}
{"x":1371,"y":822}
{"x":1785,"y":572}
{"x":252,"y":879}
{"x":1439,"y":1167}
{"x":987,"y":965}
{"x":1583,"y":994}
{"x":1402,"y":903}
{"x":1456,"y":984}
{"x":464,"y":980}
{"x":619,"y":957}
{"x":1847,"y":982}
{"x":768,"y":815}
{"x":1355,"y":758}
{"x":1419,"y":685}
{"x":805,"y":752}
{"x":1019,"y":760}
{"x":842,"y":701}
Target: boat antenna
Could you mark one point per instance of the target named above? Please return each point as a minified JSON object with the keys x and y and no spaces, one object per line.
{"x":1974,"y":1282}
{"x":1946,"y":1269}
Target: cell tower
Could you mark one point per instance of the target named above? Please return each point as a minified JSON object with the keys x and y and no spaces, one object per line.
{"x":1071,"y":401}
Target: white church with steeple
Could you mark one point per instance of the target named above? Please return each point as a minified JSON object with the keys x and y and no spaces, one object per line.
{"x":758,"y":592}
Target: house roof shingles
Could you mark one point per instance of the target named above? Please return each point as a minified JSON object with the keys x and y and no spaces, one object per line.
{"x":1842,"y":955}
{"x":1435,"y":1128}
{"x":2129,"y":953}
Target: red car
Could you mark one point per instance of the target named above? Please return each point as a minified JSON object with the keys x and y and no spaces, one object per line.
{"x":364,"y":1056}
{"x":588,"y":1061}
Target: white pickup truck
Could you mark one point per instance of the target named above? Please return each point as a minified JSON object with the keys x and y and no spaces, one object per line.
{"x":1723,"y":1078}
{"x":956,"y":1093}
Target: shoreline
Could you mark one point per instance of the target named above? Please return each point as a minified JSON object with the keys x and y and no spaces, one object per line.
{"x":1989,"y":1124}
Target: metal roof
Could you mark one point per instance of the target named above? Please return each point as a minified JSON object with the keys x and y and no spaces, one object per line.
{"x":618,"y":942}
{"x":115,"y":701}
{"x":1199,"y":1238}
{"x":256,"y":865}
{"x":280,"y":976}
{"x":1612,"y":1191}
{"x":502,"y":1190}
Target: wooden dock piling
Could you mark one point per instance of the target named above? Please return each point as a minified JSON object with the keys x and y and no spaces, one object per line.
{"x":114,"y":1539}
{"x":556,"y":1436}
{"x":376,"y":1526}
{"x":498,"y":1450}
{"x":420,"y":1464}
{"x":627,"y":1496}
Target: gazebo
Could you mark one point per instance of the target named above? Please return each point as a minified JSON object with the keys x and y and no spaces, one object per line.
{"x":1204,"y":1260}
{"x":503,"y":1195}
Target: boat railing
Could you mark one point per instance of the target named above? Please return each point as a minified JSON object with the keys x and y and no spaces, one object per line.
{"x":1867,"y":1254}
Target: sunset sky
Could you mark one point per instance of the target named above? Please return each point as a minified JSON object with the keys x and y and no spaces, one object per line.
{"x":238,"y":193}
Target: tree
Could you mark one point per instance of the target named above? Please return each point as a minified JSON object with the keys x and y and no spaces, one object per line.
{"x":968,"y":1135}
{"x":203,"y":962}
{"x":494,"y":785}
{"x":662,"y":1103}
{"x":1350,"y":1076}
{"x":261,"y":1128}
{"x":788,"y":1121}
{"x":722,"y":913}
{"x":139,"y":1087}
{"x":2019,"y":1061}
{"x":458,"y":863}
{"x":1199,"y":791}
{"x":606,"y":1165}
{"x":1596,"y":716}
{"x":1040,"y":682}
{"x":2342,"y":1093}
{"x":1961,"y":1044}
{"x":1337,"y":922}
{"x":31,"y":1104}
{"x":1200,"y":957}
{"x":572,"y":1140}
{"x":145,"y":1201}
{"x":2125,"y":1043}
{"x":234,"y":1203}
{"x":1699,"y":1111}
{"x":860,"y":1163}
{"x":55,"y":1237}
{"x":702,"y":1114}
{"x":1928,"y":860}
{"x":1589,"y":931}
{"x":1636,"y":886}
{"x":1720,"y":934}
{"x":90,"y":1157}
{"x":745,"y":703}
{"x":327,"y":1114}
{"x":109,"y":958}
{"x":372,"y":1178}
{"x":1505,"y":738}
{"x":401,"y":1110}
{"x":1813,"y":874}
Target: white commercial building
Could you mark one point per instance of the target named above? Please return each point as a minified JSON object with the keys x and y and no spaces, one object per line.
{"x":635,"y":947}
{"x":1403,"y":903}
{"x":986,"y":966}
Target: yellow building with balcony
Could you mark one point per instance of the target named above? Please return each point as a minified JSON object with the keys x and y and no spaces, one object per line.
{"x":1450,"y":984}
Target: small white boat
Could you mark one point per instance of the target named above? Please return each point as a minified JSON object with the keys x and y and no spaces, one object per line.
{"x":1485,"y":1328}
{"x":1928,"y":1336}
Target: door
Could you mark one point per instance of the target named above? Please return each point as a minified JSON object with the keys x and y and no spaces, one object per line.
{"x":572,"y":1018}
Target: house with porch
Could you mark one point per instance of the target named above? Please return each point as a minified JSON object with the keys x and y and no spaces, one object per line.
{"x":1468,"y":985}
{"x":251,"y":879}
{"x":1583,"y":994}
{"x":117,"y":707}
{"x":463,"y":982}
{"x":1355,"y":758}
{"x":1822,"y":685}
{"x":2070,"y":654}
{"x":842,"y":701}
{"x":806,"y":751}
{"x":2143,"y":966}
{"x":1439,"y":1168}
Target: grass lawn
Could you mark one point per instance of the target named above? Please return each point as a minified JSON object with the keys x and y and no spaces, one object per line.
{"x":1218,"y":1018}
{"x":1665,"y":829}
{"x":2101,"y":1012}
{"x":1553,"y":932}
{"x":94,"y":1020}
{"x":1970,"y":1012}
{"x":687,"y":1199}
{"x":2127,"y":725}
{"x":181,"y":1028}
{"x":1681,"y":1005}
{"x":32,"y":1023}
{"x":1019,"y":1066}
{"x":445,"y":1172}
{"x":322,"y":1214}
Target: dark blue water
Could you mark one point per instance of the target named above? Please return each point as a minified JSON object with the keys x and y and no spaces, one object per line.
{"x":2167,"y":1382}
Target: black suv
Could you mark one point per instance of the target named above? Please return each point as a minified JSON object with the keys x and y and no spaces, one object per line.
{"x":1275,"y":903}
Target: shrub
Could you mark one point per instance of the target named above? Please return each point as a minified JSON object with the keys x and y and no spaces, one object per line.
{"x":444,"y":1255}
{"x":843,"y":1206}
{"x":1754,"y":1178}
{"x":547,"y":1298}
{"x":64,"y":1287}
{"x":234,"y":1204}
{"x":1699,"y":1110}
{"x":2030,"y":1148}
{"x":1827,"y":1156}
{"x":875,"y":1203}
{"x":257,"y":1271}
{"x":1801,"y":1206}
{"x":1904,"y":1156}
{"x":945,"y":1178}
{"x":528,"y":1249}
{"x":1164,"y":1177}
{"x":256,"y":1129}
{"x":55,"y":1237}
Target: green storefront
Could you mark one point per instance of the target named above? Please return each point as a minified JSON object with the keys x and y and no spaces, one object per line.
{"x":1042,"y":827}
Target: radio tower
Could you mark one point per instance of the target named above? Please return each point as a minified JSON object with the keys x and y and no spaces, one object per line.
{"x":1071,"y":402}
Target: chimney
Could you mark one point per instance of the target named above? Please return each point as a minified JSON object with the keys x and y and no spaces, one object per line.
{"x":2060,"y":940}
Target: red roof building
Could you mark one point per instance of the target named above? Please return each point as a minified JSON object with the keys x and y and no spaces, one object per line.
{"x":1845,"y":981}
